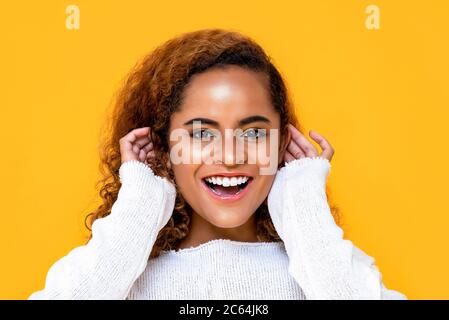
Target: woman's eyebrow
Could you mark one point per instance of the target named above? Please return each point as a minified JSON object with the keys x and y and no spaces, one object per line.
{"x":252,"y":119}
{"x":203,"y":121}
{"x":248,"y":120}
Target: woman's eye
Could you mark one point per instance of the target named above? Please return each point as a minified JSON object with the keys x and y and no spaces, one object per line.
{"x":254,"y":133}
{"x":202,"y":134}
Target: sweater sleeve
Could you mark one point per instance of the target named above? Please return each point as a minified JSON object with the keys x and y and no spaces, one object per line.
{"x":107,"y":266}
{"x":325,"y":265}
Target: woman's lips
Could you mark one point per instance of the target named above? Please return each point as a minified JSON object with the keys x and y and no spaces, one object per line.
{"x":228,"y":197}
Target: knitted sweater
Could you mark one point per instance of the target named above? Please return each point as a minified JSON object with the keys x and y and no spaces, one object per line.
{"x":313,"y":261}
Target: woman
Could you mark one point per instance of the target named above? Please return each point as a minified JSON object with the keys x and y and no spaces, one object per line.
{"x":229,"y":228}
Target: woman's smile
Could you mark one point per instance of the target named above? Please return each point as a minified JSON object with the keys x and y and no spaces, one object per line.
{"x":227,"y":187}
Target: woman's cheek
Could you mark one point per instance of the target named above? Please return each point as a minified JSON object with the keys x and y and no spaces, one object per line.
{"x":266,"y":157}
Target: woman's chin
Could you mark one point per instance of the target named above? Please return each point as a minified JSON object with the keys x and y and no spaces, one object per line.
{"x":227,"y":219}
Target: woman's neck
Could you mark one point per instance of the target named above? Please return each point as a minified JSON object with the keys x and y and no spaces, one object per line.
{"x":202,"y":231}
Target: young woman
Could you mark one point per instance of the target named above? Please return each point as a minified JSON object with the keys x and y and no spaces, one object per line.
{"x":223,"y":229}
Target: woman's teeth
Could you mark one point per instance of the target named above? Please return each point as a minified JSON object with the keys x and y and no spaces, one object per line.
{"x":226,"y":187}
{"x":226,"y":182}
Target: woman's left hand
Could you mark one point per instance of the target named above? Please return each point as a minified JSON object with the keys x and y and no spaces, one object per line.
{"x":299,"y":147}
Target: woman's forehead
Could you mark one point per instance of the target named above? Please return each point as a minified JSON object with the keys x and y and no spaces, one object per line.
{"x":224,"y":87}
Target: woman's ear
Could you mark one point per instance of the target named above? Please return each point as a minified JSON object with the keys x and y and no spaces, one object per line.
{"x":284,"y":146}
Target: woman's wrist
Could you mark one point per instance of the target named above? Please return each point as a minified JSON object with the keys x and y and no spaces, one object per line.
{"x":140,"y":179}
{"x":306,"y":171}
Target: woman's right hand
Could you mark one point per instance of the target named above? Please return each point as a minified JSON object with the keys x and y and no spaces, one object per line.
{"x":137,"y":145}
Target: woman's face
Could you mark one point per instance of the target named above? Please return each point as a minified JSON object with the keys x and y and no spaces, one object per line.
{"x":225,"y":100}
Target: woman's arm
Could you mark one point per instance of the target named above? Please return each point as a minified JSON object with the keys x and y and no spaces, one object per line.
{"x":325,"y":265}
{"x":121,"y":242}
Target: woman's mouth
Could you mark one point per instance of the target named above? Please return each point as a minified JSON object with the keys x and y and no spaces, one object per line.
{"x":227,"y":188}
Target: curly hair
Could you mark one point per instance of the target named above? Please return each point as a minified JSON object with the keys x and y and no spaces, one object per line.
{"x":153,"y":91}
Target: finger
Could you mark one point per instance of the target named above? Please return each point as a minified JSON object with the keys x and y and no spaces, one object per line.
{"x":126,"y":142}
{"x":150,"y":154}
{"x":288,"y":157}
{"x":142,"y":155}
{"x":148,"y":147}
{"x":295,"y":150}
{"x":302,"y":142}
{"x":133,"y":135}
{"x":142,"y":141}
{"x":328,"y":151}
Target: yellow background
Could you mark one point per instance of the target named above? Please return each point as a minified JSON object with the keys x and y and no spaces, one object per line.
{"x":380,"y":96}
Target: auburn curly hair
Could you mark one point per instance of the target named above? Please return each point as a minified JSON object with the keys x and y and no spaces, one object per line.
{"x":152,"y":92}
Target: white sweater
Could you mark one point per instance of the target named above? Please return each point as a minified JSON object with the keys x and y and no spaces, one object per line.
{"x":312,"y":262}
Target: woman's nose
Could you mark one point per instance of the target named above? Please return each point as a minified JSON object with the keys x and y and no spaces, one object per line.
{"x":231,"y":152}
